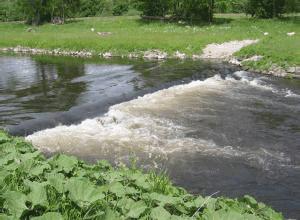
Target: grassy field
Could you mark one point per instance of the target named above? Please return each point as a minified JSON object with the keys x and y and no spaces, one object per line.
{"x":131,"y":34}
{"x":62,"y":187}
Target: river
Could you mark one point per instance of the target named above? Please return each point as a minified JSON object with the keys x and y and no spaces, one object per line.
{"x":210,"y":126}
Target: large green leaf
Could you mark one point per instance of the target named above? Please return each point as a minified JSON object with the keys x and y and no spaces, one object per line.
{"x":111,"y":215}
{"x":159,"y":213}
{"x":221,"y":215}
{"x":6,"y":217}
{"x":57,"y":181}
{"x":64,"y":163}
{"x":164,"y":199}
{"x":49,"y":216}
{"x":15,"y":202}
{"x":118,"y":189}
{"x":39,"y":169}
{"x":83,"y":192}
{"x":4,"y":138}
{"x":38,"y":193}
{"x":136,"y":209}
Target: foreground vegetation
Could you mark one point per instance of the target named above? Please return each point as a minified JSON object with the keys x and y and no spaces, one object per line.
{"x":63,"y":187}
{"x":133,"y":35}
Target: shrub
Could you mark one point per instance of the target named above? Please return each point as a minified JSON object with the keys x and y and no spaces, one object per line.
{"x":120,"y":8}
{"x":265,"y":8}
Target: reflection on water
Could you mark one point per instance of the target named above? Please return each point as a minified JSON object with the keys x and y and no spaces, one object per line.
{"x":211,"y":127}
{"x":42,"y":92}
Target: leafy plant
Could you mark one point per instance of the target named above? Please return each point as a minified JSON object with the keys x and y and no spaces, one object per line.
{"x":62,"y":187}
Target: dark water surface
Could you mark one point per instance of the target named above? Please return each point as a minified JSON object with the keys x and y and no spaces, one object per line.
{"x":211,"y":127}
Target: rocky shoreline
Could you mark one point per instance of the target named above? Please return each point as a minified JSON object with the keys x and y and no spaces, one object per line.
{"x":222,"y":52}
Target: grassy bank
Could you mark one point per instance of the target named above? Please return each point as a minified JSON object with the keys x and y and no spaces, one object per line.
{"x":62,"y":187}
{"x":132,"y":35}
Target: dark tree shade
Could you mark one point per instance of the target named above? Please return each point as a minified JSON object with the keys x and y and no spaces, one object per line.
{"x":265,"y":8}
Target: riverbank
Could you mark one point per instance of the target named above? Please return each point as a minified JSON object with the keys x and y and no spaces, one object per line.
{"x":133,"y":37}
{"x":62,"y":187}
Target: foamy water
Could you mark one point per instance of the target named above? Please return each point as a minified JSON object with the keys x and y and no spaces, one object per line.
{"x":156,"y":124}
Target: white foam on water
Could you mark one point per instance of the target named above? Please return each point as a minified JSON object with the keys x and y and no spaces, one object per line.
{"x":138,"y":126}
{"x":289,"y":93}
{"x":259,"y":83}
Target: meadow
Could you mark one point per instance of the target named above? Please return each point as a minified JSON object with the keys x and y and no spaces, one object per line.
{"x":130,"y":34}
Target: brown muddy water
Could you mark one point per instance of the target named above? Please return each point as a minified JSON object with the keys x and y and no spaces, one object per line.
{"x":210,"y":126}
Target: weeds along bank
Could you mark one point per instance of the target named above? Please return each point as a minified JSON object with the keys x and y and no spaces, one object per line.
{"x":62,"y":187}
{"x":132,"y":37}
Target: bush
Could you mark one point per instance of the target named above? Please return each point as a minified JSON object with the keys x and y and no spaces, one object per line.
{"x":265,"y":8}
{"x":193,"y":9}
{"x":292,"y":6}
{"x":179,"y":9}
{"x":120,"y":8}
{"x":153,"y":7}
{"x":90,"y":8}
{"x":230,"y":6}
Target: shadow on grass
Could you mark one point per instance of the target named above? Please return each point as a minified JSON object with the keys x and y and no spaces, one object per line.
{"x":183,"y":23}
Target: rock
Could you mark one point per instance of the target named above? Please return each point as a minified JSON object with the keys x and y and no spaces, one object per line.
{"x":235,"y":61}
{"x":104,"y":34}
{"x":180,"y":55}
{"x":196,"y":57}
{"x":107,"y":55}
{"x":155,"y":54}
{"x":294,"y":69}
{"x":29,"y":30}
{"x":133,"y":55}
{"x":255,"y":58}
{"x":291,"y":34}
{"x":277,"y":71}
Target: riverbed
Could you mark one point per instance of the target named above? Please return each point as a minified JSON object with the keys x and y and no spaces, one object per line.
{"x":210,"y":126}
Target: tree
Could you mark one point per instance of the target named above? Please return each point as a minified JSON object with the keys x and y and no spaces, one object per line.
{"x":153,"y":7}
{"x":179,"y":9}
{"x":39,"y":11}
{"x":265,"y":8}
{"x":292,"y":6}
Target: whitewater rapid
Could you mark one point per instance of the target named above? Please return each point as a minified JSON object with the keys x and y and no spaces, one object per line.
{"x":161,"y":123}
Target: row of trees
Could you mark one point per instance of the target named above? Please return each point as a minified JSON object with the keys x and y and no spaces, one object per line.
{"x":178,"y":9}
{"x":203,"y":9}
{"x":56,"y":11}
{"x":39,"y":11}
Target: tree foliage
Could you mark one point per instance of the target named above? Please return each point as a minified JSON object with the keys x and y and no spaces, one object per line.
{"x":265,"y":8}
{"x":179,"y":9}
{"x":39,"y":11}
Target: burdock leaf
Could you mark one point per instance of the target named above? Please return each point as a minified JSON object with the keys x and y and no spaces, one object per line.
{"x":49,"y":216}
{"x":38,"y":194}
{"x":137,"y":209}
{"x":64,"y":163}
{"x":83,"y":192}
{"x":159,"y":213}
{"x":6,"y":217}
{"x":56,"y":180}
{"x":15,"y":203}
{"x":118,"y":189}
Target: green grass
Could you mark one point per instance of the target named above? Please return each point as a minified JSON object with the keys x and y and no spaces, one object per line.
{"x":131,"y":34}
{"x":62,"y":187}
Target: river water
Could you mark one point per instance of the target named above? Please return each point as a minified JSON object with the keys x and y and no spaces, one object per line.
{"x":210,"y":126}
